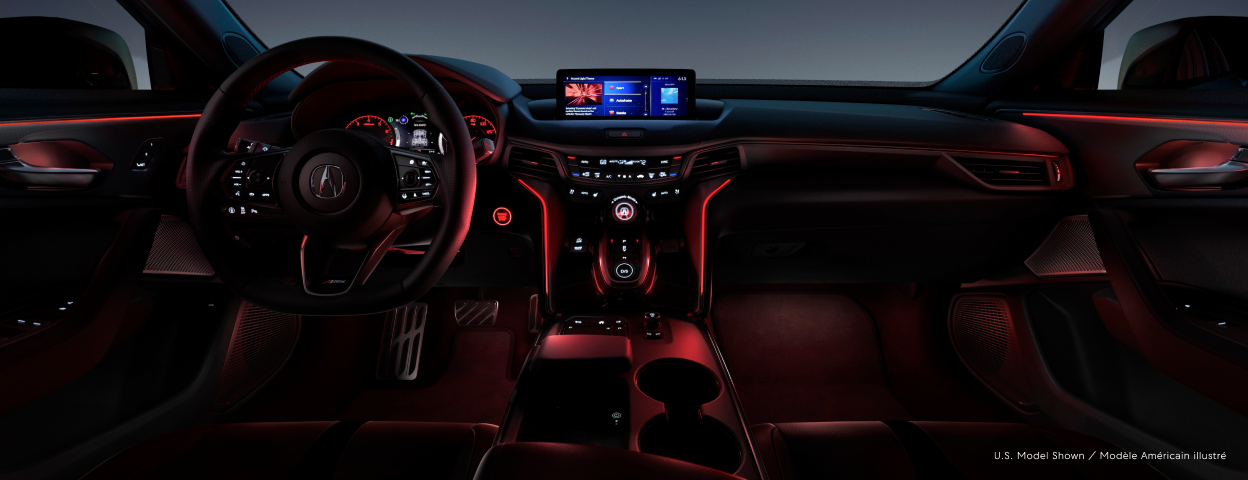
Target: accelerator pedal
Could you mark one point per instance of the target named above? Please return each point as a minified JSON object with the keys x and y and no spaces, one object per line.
{"x":401,"y":337}
{"x":476,"y":313}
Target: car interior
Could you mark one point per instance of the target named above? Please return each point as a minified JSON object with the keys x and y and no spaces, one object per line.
{"x":326,"y":256}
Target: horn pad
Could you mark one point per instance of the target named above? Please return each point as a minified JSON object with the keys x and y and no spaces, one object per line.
{"x":335,"y":185}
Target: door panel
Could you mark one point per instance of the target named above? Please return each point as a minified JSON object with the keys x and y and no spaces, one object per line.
{"x":1153,"y":240}
{"x":73,"y":256}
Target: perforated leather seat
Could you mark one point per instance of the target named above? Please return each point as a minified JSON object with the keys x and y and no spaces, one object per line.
{"x":921,"y":450}
{"x":306,"y":450}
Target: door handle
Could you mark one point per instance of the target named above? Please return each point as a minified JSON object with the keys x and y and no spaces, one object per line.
{"x":1226,"y":173}
{"x":15,"y":170}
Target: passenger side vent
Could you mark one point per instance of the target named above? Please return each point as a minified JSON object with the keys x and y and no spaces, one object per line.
{"x":716,"y":162}
{"x":1006,"y":172}
{"x":527,"y":161}
{"x":983,"y":335}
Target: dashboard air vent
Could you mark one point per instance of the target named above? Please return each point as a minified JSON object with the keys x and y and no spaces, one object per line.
{"x":528,"y":161}
{"x":1006,"y":172}
{"x":716,"y":162}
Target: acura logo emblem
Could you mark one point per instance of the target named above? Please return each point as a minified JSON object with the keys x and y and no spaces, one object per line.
{"x":327,"y":181}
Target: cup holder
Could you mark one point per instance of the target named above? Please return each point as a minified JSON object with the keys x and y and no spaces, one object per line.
{"x":683,"y":433}
{"x":678,"y":382}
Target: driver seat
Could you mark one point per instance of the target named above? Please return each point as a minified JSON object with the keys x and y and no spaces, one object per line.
{"x":306,"y":450}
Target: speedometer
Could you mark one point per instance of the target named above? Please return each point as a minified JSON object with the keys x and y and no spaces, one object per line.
{"x":375,"y":126}
{"x":480,"y":128}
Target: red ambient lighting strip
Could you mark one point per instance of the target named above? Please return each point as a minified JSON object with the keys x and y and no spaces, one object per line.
{"x":545,"y":235}
{"x":702,"y":256}
{"x":103,"y":119}
{"x":1136,"y":119}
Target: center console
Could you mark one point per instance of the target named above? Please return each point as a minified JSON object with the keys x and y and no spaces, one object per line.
{"x":623,"y":359}
{"x":647,"y":382}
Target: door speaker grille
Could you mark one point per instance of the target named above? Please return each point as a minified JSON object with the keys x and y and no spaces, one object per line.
{"x":262,"y":342}
{"x":1070,"y":249}
{"x":983,"y":335}
{"x":401,"y":337}
{"x":175,"y":250}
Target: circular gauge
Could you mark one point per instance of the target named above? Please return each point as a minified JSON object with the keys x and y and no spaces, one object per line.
{"x":480,"y":128}
{"x":375,"y":126}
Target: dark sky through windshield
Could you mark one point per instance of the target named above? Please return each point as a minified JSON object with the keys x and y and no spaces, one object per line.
{"x":863,"y":41}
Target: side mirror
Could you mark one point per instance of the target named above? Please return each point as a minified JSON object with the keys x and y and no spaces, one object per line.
{"x":47,"y":52}
{"x":1196,"y":52}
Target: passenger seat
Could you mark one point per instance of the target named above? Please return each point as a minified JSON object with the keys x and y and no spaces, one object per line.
{"x":306,"y":450}
{"x":923,"y":450}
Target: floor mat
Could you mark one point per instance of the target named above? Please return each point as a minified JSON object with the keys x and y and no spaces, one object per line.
{"x":804,"y":357}
{"x":466,"y":372}
{"x":475,"y":387}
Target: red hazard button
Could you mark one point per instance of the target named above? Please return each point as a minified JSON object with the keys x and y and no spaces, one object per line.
{"x":502,"y":216}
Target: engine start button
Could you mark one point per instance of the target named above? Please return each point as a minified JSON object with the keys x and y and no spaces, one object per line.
{"x":502,"y":216}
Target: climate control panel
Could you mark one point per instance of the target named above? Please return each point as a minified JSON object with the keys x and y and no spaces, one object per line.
{"x":624,"y":170}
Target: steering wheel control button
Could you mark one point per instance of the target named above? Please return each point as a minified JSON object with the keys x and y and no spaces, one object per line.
{"x":624,"y":271}
{"x":624,"y":210}
{"x":502,"y":216}
{"x":416,"y":177}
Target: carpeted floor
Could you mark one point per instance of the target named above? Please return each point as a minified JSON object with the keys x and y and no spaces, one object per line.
{"x":819,"y":355}
{"x":803,"y":357}
{"x":475,"y":387}
{"x":466,"y":373}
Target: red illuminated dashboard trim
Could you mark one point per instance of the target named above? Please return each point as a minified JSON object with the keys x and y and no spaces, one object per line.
{"x":1136,"y":119}
{"x":702,"y":254}
{"x":100,"y":119}
{"x":545,"y":236}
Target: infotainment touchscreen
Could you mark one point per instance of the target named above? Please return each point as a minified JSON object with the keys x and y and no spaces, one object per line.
{"x":626,"y":94}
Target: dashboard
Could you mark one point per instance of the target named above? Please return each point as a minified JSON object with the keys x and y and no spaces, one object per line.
{"x":797,"y":185}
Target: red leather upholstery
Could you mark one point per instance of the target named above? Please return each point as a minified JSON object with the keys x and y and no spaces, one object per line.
{"x":551,"y":461}
{"x":330,"y":450}
{"x":919,"y":450}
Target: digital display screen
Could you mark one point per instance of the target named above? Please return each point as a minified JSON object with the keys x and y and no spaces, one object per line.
{"x":626,"y":94}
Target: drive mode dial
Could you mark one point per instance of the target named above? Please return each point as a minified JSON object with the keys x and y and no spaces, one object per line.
{"x":624,"y":210}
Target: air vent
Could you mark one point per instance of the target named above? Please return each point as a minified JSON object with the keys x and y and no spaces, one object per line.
{"x":532,"y":162}
{"x":1006,"y":172}
{"x":716,"y":162}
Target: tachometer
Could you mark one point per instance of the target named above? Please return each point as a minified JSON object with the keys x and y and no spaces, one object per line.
{"x":375,"y":126}
{"x":480,"y":128}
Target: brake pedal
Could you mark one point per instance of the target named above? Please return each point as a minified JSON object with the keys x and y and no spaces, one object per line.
{"x":476,"y":313}
{"x":401,"y":338}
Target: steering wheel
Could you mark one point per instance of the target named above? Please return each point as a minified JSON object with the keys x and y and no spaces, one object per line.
{"x":348,"y":193}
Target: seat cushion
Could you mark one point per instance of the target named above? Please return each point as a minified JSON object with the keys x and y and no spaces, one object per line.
{"x":921,"y":450}
{"x":329,"y":450}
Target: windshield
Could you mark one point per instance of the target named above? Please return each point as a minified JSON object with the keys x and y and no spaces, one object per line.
{"x":882,"y":42}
